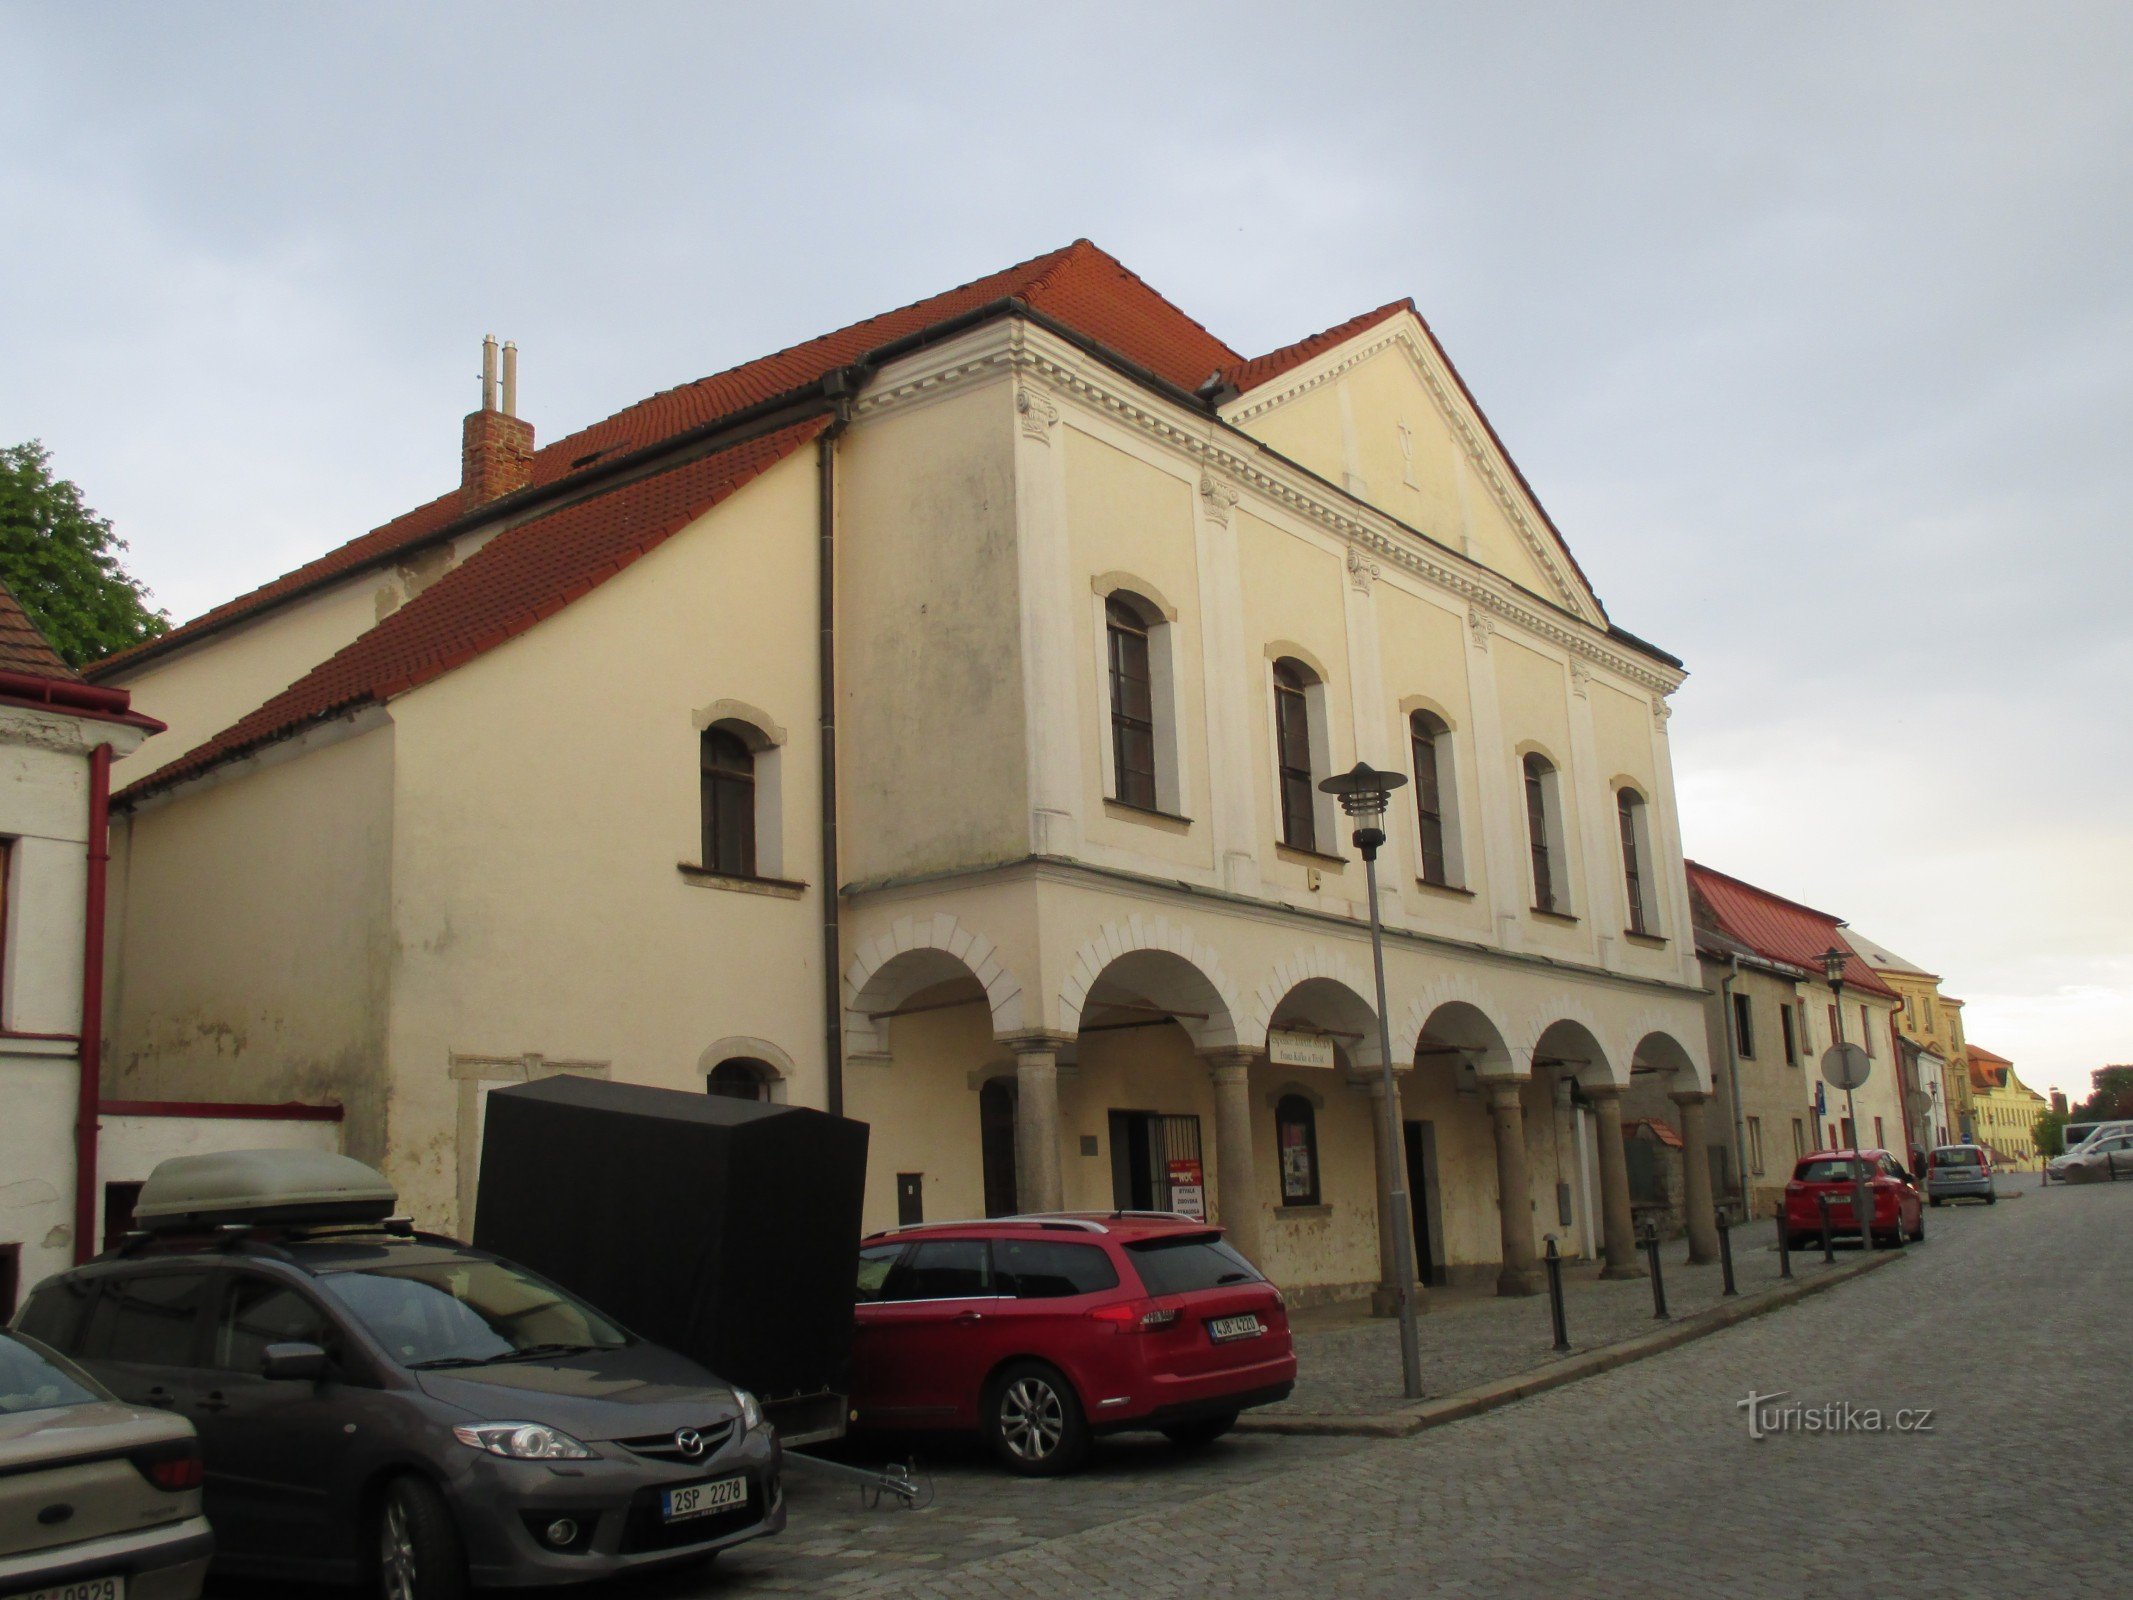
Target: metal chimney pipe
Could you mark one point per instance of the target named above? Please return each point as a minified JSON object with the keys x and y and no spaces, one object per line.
{"x":488,"y":372}
{"x":510,"y":379}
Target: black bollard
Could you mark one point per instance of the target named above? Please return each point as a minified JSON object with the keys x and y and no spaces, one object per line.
{"x":1829,"y":1245}
{"x":1725,"y":1252}
{"x":1784,"y":1242}
{"x":1651,"y":1255}
{"x":1555,"y":1297}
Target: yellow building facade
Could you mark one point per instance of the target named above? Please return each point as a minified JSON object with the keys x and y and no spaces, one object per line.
{"x":2005,"y":1109}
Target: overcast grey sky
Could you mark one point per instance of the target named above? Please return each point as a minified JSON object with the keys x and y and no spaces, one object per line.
{"x":1811,"y":324}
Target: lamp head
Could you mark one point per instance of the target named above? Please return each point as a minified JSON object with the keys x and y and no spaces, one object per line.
{"x":1364,"y":792}
{"x":1833,"y":963}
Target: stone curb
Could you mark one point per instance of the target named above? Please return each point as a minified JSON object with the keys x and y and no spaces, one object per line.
{"x":1412,"y":1419}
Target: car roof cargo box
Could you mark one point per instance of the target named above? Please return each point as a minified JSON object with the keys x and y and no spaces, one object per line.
{"x":726,"y":1229}
{"x":235,"y":1187}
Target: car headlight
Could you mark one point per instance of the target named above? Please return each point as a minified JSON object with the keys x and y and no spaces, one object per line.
{"x":521,"y":1441}
{"x":751,"y":1410}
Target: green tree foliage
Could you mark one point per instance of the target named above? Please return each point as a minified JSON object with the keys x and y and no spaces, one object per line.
{"x":2111,"y":1095}
{"x":62,"y":561}
{"x":2050,"y":1131}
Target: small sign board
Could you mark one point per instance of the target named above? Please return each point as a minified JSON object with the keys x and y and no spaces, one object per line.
{"x":1846,"y":1066}
{"x":1188,"y":1189}
{"x":1287,"y":1048}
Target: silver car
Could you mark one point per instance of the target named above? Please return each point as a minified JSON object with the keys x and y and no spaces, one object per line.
{"x":1959,"y":1172}
{"x":2103,"y":1157}
{"x":97,"y":1499}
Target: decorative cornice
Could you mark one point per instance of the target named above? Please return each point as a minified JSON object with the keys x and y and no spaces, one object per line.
{"x":1231,"y":465}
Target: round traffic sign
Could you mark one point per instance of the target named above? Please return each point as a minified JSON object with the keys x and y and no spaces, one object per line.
{"x":1918,"y":1102}
{"x":1845,"y":1066}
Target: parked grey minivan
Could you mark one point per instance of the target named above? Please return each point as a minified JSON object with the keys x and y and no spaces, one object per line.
{"x":393,"y":1408}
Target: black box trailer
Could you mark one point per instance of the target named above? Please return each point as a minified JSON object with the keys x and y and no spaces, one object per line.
{"x":725,"y":1229}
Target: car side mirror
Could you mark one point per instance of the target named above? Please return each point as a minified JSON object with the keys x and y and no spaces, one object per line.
{"x":295,"y":1360}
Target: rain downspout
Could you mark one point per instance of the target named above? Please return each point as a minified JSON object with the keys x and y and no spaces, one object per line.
{"x":841,"y":385}
{"x":1740,"y":1125}
{"x":91,"y":1088}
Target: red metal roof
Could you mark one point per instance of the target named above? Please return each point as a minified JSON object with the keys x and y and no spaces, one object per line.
{"x":522,"y":575}
{"x":23,"y":646}
{"x":1777,"y":928}
{"x":1080,"y":286}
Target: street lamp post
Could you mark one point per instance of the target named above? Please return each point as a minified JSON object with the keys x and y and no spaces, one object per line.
{"x":1833,"y":963}
{"x":1364,"y":792}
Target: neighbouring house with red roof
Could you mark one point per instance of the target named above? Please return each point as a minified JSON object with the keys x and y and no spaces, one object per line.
{"x":2004,"y":1107}
{"x":926,"y":722}
{"x":72,"y":1154}
{"x":1771,"y":1014}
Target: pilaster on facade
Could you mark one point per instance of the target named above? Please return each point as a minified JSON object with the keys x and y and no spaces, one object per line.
{"x":1051,"y":705}
{"x":1605,"y":892}
{"x":1234,"y":816}
{"x":1505,"y":895}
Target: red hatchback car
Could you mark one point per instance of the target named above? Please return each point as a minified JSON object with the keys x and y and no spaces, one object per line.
{"x":1041,"y":1332}
{"x":1891,"y":1191}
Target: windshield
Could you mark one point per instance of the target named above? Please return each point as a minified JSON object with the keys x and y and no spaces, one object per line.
{"x":469,"y":1311}
{"x":1828,"y":1171}
{"x":28,"y":1382}
{"x":1965,"y":1157}
{"x":1185,"y":1262}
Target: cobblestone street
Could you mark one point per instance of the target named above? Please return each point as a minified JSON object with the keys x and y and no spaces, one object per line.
{"x":2008,"y":1322}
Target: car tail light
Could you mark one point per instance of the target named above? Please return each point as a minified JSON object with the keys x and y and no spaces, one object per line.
{"x":173,"y":1467}
{"x":1135,"y":1316}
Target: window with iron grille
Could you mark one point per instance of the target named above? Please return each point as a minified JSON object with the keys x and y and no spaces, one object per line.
{"x":1292,"y":733}
{"x":1630,"y":814}
{"x":1427,"y":737}
{"x":1296,"y":1143}
{"x":1541,"y":830}
{"x":728,"y":793}
{"x":1132,"y":704}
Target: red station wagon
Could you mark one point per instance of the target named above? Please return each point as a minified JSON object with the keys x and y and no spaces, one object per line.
{"x":1891,"y":1192}
{"x":1041,"y":1332}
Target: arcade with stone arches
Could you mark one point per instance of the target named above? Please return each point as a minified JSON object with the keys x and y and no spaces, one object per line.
{"x":1152,"y":1076}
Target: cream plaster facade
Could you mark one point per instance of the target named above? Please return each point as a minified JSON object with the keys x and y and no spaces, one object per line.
{"x":44,"y":819}
{"x":486,"y":876}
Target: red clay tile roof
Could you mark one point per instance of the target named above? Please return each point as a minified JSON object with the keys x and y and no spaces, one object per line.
{"x":1662,"y":1131}
{"x":1987,"y":1071}
{"x":523,"y":575}
{"x":1080,"y":286}
{"x":23,"y":646}
{"x":1780,"y":929}
{"x":1264,"y":369}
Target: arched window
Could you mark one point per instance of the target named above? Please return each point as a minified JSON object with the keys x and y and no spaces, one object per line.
{"x":1544,"y":833}
{"x":1133,"y":747}
{"x":1636,"y":861}
{"x":996,"y":1146}
{"x":1293,"y":683}
{"x":1296,"y":1140}
{"x":728,"y":803}
{"x":739,"y":1079}
{"x":1430,"y":741}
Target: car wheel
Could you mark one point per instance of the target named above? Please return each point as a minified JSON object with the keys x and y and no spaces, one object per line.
{"x":1201,"y":1431}
{"x":1033,"y":1421}
{"x":415,"y":1545}
{"x":1919,"y":1232}
{"x":1992,"y":1199}
{"x":1934,"y":1201}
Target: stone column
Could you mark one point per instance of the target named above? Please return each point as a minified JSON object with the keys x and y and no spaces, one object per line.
{"x":1696,"y":1174}
{"x":1514,"y":1189}
{"x":1236,"y":1190}
{"x":1037,"y":1177}
{"x":1616,"y":1225}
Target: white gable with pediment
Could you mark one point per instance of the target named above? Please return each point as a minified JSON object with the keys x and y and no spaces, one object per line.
{"x":1383,"y":416}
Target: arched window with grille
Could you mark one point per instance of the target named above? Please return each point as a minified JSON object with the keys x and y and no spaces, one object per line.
{"x":739,"y":1079}
{"x":1633,"y":815}
{"x":1544,"y":835}
{"x":1133,"y":742}
{"x":1296,"y":748}
{"x":728,"y":792}
{"x":1430,"y":743}
{"x":1296,"y":1142}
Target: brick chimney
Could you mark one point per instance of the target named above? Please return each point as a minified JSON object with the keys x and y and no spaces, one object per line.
{"x":496,"y":445}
